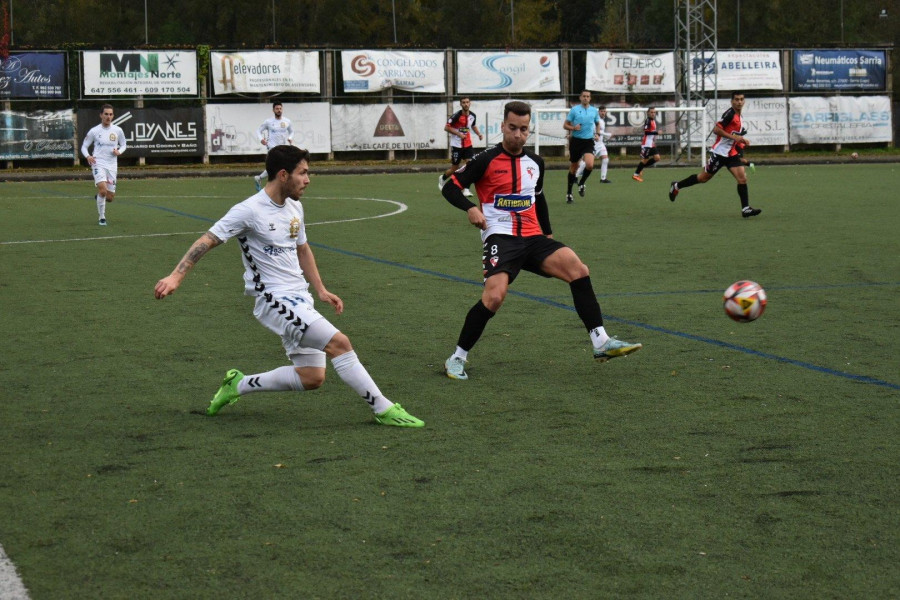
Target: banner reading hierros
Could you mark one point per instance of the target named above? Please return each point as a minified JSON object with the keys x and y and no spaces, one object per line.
{"x":259,"y":72}
{"x":232,"y":128}
{"x":372,"y":70}
{"x":36,"y":134}
{"x":152,"y":131}
{"x":140,"y":73}
{"x":840,"y":119}
{"x":388,"y":126}
{"x":622,"y":72}
{"x":765,"y":119}
{"x":839,"y":70}
{"x":507,"y":72}
{"x":750,"y":70}
{"x":33,"y":75}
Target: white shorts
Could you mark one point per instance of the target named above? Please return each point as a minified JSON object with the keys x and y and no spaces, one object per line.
{"x":304,"y":332}
{"x":600,"y":149}
{"x":105,"y":174}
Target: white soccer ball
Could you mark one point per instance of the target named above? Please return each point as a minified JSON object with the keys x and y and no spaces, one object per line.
{"x":744,"y":301}
{"x":854,"y":155}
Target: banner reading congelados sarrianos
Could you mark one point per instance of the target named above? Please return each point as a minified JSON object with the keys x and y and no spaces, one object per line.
{"x":374,"y":70}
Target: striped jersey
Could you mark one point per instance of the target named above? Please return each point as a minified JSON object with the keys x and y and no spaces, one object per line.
{"x":650,"y":131}
{"x":508,"y":188}
{"x":732,"y":124}
{"x":464,"y":123}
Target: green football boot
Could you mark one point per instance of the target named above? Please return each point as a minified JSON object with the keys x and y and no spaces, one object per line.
{"x":398,"y":417}
{"x":227,"y":394}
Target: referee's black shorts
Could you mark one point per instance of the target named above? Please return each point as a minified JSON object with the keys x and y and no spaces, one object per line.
{"x":578,"y":147}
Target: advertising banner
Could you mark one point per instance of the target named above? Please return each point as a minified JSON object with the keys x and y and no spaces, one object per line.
{"x":507,"y":72}
{"x":840,"y":119}
{"x":765,"y":119}
{"x":36,"y":134}
{"x":373,"y":70}
{"x":856,"y":70}
{"x":622,"y":72}
{"x":260,"y":72}
{"x":388,"y":126}
{"x":152,"y":131}
{"x":33,"y":75}
{"x":490,"y":116}
{"x":140,"y":73}
{"x":625,"y":127}
{"x":748,"y":70}
{"x":232,"y":128}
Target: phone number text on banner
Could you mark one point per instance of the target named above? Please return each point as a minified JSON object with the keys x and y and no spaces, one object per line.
{"x":140,"y":73}
{"x":33,"y":75}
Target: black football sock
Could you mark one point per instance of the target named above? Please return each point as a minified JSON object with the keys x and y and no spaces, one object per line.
{"x":640,"y":168}
{"x":473,"y":327}
{"x":571,"y":182}
{"x":692,"y":180}
{"x":586,"y":304}
{"x":585,"y":175}
{"x":744,"y":195}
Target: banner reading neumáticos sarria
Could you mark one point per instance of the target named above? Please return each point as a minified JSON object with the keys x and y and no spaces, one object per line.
{"x":373,"y":70}
{"x":263,"y":71}
{"x":140,"y":73}
{"x":623,"y":72}
{"x":507,"y":72}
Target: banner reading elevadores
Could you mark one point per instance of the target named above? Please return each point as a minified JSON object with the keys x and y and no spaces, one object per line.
{"x":258,"y":72}
{"x":373,"y":70}
{"x":33,"y":75}
{"x":622,"y":72}
{"x":507,"y":72}
{"x":140,"y":73}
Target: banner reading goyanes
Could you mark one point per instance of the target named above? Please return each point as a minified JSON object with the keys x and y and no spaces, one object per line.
{"x":153,"y":131}
{"x":750,"y":70}
{"x":373,"y":70}
{"x":140,"y":73}
{"x":33,"y":75}
{"x":233,"y":128}
{"x":623,"y":72}
{"x":388,"y":126}
{"x":507,"y":72}
{"x":264,"y":71}
{"x":840,"y":119}
{"x":36,"y":134}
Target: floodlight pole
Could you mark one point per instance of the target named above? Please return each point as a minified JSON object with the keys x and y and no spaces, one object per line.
{"x":146,"y":34}
{"x":394,"y":14}
{"x":273,"y":23}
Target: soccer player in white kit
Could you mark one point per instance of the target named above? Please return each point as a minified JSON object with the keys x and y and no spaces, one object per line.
{"x":279,"y":268}
{"x":109,"y":143}
{"x":275,"y":131}
{"x":599,"y":150}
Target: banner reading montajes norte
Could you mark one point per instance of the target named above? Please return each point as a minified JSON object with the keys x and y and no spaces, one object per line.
{"x":507,"y":72}
{"x":36,"y":134}
{"x":258,"y":72}
{"x":856,"y":70}
{"x":33,"y":75}
{"x":152,"y":131}
{"x":140,"y":73}
{"x":373,"y":70}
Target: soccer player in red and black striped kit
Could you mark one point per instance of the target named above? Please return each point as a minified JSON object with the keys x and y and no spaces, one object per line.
{"x":726,"y":152}
{"x":514,"y":220}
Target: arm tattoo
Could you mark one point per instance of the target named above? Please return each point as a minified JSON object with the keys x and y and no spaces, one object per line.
{"x":206,"y":243}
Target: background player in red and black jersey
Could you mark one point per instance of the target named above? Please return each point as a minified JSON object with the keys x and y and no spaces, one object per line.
{"x":515,"y":222}
{"x":649,"y":152}
{"x":459,"y":126}
{"x":726,"y":152}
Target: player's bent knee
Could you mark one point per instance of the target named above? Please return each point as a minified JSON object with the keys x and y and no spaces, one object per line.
{"x":339,"y":344}
{"x":310,"y":377}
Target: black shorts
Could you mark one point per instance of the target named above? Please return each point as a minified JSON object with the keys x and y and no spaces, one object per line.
{"x":717,"y":161}
{"x":458,"y":155}
{"x":647,"y":152}
{"x":578,"y":147}
{"x":510,"y":254}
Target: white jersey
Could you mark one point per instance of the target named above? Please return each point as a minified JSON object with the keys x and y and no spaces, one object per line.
{"x":104,"y":140}
{"x":600,"y":145}
{"x":276,"y":132}
{"x":269,"y":235}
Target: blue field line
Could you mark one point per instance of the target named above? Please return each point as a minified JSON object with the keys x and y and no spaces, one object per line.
{"x":177,"y":212}
{"x":697,"y":338}
{"x":769,"y":288}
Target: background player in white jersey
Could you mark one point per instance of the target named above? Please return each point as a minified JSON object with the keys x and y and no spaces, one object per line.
{"x":274,"y":131}
{"x":109,"y":143}
{"x":599,"y":150}
{"x":279,"y":268}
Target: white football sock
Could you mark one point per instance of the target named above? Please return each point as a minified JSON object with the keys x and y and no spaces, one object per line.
{"x":354,"y":374}
{"x":604,"y":164}
{"x":264,"y":174}
{"x":580,"y":170}
{"x":282,"y":379}
{"x":599,"y":336}
{"x":101,"y":206}
{"x":463,"y":354}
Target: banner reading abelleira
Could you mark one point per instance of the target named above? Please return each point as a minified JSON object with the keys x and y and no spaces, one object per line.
{"x":140,"y":73}
{"x":258,"y":72}
{"x":622,"y":72}
{"x":750,"y":70}
{"x":507,"y":72}
{"x":373,"y":70}
{"x":33,"y":75}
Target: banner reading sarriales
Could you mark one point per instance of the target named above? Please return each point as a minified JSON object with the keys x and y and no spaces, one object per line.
{"x":840,"y":119}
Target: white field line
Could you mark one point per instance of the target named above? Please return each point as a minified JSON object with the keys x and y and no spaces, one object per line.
{"x":11,"y":587}
{"x":401,"y":207}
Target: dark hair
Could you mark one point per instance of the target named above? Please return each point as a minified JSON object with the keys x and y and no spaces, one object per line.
{"x":601,"y":107}
{"x":105,"y":106}
{"x":276,"y":103}
{"x":284,"y":157}
{"x":516,"y":107}
{"x":736,"y":93}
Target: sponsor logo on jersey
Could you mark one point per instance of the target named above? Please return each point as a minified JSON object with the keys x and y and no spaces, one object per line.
{"x":512,"y":202}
